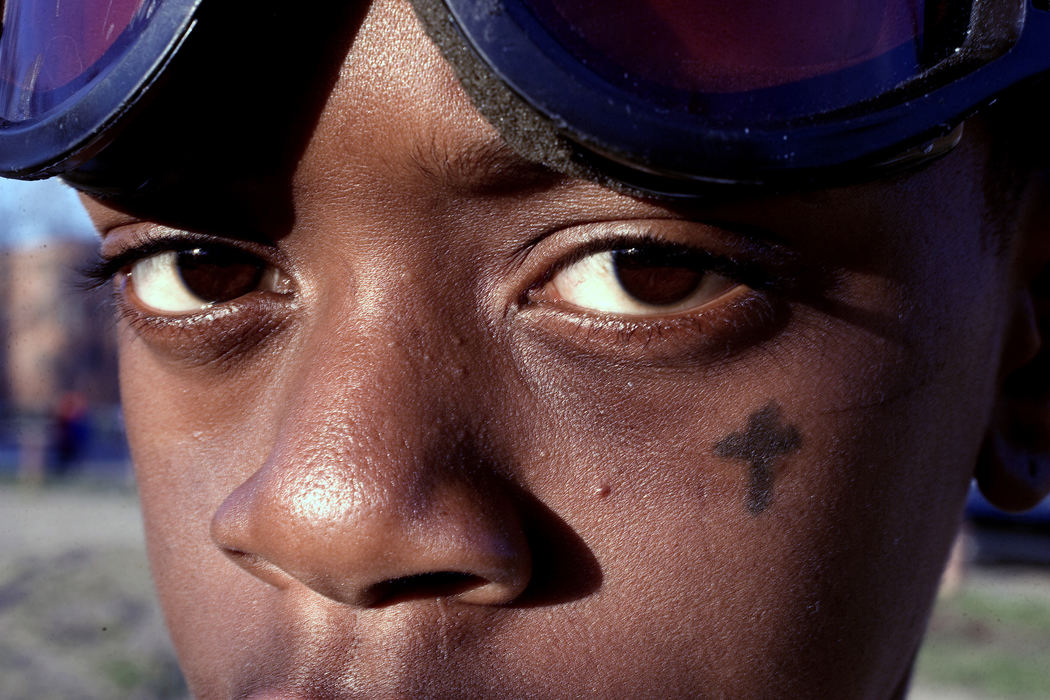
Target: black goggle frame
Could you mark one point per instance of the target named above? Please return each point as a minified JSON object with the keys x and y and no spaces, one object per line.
{"x":591,"y":128}
{"x":548,"y":107}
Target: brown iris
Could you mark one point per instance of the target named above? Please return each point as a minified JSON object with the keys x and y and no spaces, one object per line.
{"x":219,"y":275}
{"x":656,"y":276}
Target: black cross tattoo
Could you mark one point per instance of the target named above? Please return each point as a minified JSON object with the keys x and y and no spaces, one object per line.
{"x":761,"y":444}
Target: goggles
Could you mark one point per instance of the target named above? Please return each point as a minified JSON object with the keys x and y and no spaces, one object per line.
{"x":663,"y":96}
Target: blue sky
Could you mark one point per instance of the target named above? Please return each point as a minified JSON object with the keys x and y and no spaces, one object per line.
{"x":32,"y":213}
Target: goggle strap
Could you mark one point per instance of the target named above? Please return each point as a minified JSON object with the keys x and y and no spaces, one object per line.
{"x":532,"y":136}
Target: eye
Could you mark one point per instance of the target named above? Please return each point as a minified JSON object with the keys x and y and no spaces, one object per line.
{"x":639,"y":281}
{"x":177,"y":282}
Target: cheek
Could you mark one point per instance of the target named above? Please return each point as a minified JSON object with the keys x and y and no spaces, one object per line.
{"x":694,"y":580}
{"x":888,"y":425}
{"x":192,"y":445}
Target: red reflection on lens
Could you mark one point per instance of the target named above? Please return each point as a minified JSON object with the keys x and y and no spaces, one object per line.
{"x":49,"y":44}
{"x":719,"y":46}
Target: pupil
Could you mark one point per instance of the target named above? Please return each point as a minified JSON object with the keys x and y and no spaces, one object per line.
{"x":657,"y":277}
{"x":219,"y":275}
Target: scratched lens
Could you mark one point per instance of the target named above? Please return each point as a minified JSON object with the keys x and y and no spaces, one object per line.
{"x":49,"y":50}
{"x":704,"y":47}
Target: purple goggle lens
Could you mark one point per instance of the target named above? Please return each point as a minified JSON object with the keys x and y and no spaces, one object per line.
{"x":711,"y":47}
{"x":51,"y":48}
{"x":664,"y":96}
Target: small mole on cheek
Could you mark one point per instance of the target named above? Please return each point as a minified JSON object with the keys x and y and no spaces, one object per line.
{"x":603,"y":491}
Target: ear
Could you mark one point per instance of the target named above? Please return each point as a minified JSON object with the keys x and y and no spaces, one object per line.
{"x":1013,"y":470}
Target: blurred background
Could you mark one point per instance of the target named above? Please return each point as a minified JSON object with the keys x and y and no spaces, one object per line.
{"x":78,"y":618}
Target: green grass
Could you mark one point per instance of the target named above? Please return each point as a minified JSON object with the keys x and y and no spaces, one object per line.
{"x":83,"y":624}
{"x":991,"y":639}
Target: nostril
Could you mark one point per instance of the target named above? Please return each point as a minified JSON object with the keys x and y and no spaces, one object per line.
{"x":432,"y":584}
{"x":258,"y":566}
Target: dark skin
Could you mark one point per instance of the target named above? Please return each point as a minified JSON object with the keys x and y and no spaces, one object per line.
{"x":763,"y":445}
{"x":433,"y":453}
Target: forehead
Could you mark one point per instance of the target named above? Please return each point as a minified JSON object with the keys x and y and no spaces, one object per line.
{"x":398,"y":111}
{"x":397,"y":95}
{"x":398,"y":129}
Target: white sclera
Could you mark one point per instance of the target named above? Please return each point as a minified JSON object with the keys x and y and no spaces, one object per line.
{"x":157,"y":284}
{"x":592,"y":284}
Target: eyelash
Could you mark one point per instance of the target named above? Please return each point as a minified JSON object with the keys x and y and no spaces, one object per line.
{"x":768,"y":276}
{"x":103,"y":270}
{"x":754,"y":276}
{"x":217,"y":335}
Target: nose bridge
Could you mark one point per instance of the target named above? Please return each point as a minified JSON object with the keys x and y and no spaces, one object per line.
{"x":399,"y":350}
{"x":378,"y":485}
{"x":382,"y":397}
{"x":379,"y":374}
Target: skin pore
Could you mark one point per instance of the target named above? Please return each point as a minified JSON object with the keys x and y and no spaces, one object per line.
{"x":431,"y":449}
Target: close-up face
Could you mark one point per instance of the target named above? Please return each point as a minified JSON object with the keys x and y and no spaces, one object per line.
{"x":473,"y":428}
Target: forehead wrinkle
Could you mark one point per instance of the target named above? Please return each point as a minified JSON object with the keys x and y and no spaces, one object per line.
{"x":479,"y":166}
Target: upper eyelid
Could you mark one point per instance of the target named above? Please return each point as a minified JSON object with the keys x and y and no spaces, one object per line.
{"x":104,"y":268}
{"x":763,"y":263}
{"x":154,"y":242}
{"x":138,"y":235}
{"x":609,"y":243}
{"x":729,"y":266}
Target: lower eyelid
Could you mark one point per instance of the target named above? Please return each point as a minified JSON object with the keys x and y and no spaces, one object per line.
{"x":738,"y":319}
{"x":226,"y":333}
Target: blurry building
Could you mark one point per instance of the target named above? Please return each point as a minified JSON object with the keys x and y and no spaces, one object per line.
{"x":58,"y":336}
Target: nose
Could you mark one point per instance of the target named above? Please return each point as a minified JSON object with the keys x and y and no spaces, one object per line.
{"x":365,"y":546}
{"x":373,"y":496}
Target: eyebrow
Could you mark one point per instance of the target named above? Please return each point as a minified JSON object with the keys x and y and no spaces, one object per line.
{"x":485,"y":167}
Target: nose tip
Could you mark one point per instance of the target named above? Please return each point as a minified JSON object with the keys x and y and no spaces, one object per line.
{"x":456,"y":544}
